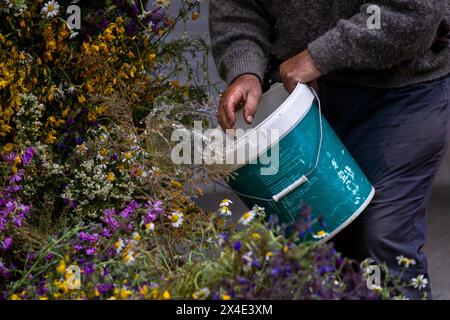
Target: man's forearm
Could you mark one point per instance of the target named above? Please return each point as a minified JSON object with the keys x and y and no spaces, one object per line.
{"x":240,"y":34}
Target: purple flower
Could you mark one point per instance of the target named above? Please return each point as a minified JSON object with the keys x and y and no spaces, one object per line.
{"x":275,"y":271}
{"x":153,"y":211}
{"x":325,"y":269}
{"x":104,"y":288}
{"x":109,"y":218}
{"x":42,"y":288}
{"x":49,"y":256}
{"x":7,"y":243}
{"x":106,"y":233}
{"x":237,"y":245}
{"x":88,"y":268}
{"x":77,"y":247}
{"x":4,"y":271}
{"x":15,"y":177}
{"x":9,"y":157}
{"x":130,"y":208}
{"x":83,"y":236}
{"x":27,"y":156}
{"x":91,"y":251}
{"x":70,"y":122}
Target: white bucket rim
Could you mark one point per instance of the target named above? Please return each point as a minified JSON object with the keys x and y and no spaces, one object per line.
{"x":291,"y":112}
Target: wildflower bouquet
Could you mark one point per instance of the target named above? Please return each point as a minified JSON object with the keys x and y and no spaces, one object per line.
{"x":78,"y":82}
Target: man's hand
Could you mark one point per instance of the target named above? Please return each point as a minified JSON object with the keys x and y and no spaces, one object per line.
{"x":300,"y":68}
{"x":244,"y":91}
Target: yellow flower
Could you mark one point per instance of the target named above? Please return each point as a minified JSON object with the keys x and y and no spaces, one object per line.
{"x":61,"y":268}
{"x":176,"y":184}
{"x":17,"y":160}
{"x":320,"y":235}
{"x":51,"y":45}
{"x":256,"y":236}
{"x":7,"y":148}
{"x":152,"y":57}
{"x":111,"y":177}
{"x":3,"y":83}
{"x":50,"y":139}
{"x":81,"y":99}
{"x":65,"y":112}
{"x":136,"y":236}
{"x":154,"y":293}
{"x":107,"y":34}
{"x":89,"y":88}
{"x":144,"y":291}
{"x":128,"y":156}
{"x":226,"y":297}
{"x":14,"y":297}
{"x":166,"y":295}
{"x":124,"y":294}
{"x":195,"y":15}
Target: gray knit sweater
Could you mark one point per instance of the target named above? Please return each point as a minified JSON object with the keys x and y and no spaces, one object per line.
{"x":255,"y":36}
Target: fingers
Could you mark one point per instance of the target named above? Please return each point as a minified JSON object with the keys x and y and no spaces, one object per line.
{"x":227,"y":109}
{"x":289,"y":85}
{"x":250,"y":107}
{"x":246,"y":89}
{"x":288,"y":79}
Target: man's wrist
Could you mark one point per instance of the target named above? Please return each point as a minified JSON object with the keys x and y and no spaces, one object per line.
{"x":247,"y":76}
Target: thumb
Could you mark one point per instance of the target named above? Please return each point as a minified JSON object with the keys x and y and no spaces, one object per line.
{"x":251,"y":104}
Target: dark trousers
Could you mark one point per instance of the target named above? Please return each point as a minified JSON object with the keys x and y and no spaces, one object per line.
{"x":398,"y":137}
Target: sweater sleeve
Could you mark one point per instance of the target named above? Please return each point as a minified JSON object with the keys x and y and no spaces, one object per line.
{"x":240,"y":37}
{"x":407,"y":30}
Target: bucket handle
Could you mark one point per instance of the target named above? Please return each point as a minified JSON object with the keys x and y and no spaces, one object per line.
{"x":304,"y":179}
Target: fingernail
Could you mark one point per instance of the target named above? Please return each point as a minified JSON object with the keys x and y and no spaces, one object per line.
{"x":250,"y":119}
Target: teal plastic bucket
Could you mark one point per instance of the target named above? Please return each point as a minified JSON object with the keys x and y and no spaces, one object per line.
{"x":315,"y":168}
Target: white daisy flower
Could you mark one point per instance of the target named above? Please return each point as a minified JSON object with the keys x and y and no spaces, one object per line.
{"x":247,"y":218}
{"x":376,"y":288}
{"x":128,"y":257}
{"x":225,"y":203}
{"x":201,"y":294}
{"x":176,"y":219}
{"x":73,"y":34}
{"x":258,"y":210}
{"x":420,"y":282}
{"x":149,"y":227}
{"x":225,"y":211}
{"x":50,"y":9}
{"x":320,"y":235}
{"x":70,"y":90}
{"x":247,"y":258}
{"x":119,"y":245}
{"x":400,"y":297}
{"x":402,"y":260}
{"x":163,"y":3}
